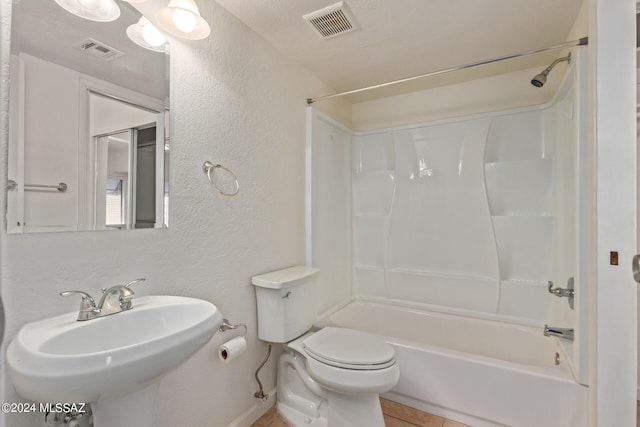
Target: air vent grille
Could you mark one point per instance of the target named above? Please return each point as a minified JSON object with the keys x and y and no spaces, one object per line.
{"x":332,"y":20}
{"x":98,"y":49}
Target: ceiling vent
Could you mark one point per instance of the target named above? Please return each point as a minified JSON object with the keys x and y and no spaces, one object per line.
{"x":332,"y":20}
{"x":98,"y":49}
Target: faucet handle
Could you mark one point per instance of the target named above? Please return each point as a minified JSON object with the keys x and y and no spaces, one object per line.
{"x":126,"y":294}
{"x":88,"y":308}
{"x":128,"y":285}
{"x":125,"y":290}
{"x":86,"y":298}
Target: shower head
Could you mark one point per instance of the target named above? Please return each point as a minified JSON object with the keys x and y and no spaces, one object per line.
{"x":540,"y":79}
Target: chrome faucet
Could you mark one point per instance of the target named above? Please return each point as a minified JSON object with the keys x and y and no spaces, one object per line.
{"x":551,"y":331}
{"x":114,"y":300}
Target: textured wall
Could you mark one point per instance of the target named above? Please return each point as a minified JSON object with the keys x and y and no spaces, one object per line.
{"x":5,"y":31}
{"x":234,"y":101}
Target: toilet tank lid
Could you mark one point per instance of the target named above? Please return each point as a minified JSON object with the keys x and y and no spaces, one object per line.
{"x":285,"y":278}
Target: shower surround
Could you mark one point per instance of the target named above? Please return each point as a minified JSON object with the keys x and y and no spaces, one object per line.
{"x":470,"y":216}
{"x":456,"y":215}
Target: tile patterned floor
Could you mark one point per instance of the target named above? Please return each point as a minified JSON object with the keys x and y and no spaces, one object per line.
{"x":395,"y":415}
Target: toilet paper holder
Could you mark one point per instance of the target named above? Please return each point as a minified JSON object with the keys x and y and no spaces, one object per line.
{"x":228,"y":326}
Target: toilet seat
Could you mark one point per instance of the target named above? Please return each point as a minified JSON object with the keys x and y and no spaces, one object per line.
{"x":349,"y":349}
{"x":349,"y":362}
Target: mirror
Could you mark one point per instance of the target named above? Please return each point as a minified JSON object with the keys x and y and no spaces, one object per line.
{"x":88,"y":145}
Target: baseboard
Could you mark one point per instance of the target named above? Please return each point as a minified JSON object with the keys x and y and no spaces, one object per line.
{"x":255,"y":411}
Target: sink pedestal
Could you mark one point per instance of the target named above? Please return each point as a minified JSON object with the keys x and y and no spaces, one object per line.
{"x":130,"y":409}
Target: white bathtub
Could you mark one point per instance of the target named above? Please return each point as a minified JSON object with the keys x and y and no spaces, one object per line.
{"x":480,"y":372}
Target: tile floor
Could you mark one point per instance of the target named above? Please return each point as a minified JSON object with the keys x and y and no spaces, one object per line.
{"x":395,"y":415}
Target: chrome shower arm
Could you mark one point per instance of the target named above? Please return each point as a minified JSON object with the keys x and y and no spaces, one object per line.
{"x":556,"y":62}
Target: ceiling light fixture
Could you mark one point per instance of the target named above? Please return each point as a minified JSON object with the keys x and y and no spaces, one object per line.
{"x":93,"y":10}
{"x":146,"y":35}
{"x":182,"y":19}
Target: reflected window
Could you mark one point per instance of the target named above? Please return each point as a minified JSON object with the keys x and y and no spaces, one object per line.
{"x":115,"y":202}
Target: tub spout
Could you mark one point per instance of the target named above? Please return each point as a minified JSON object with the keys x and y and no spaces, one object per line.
{"x":551,"y":331}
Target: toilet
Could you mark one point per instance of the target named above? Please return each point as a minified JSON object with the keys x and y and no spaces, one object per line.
{"x":330,"y":377}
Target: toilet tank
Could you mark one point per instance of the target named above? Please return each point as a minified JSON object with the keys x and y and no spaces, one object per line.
{"x":286,"y":301}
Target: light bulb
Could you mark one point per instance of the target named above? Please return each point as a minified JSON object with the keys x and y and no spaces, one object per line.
{"x":93,"y":10}
{"x":151,"y":35}
{"x":146,"y":35}
{"x":184,"y":20}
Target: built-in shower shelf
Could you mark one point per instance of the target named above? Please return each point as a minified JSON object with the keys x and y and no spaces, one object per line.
{"x":519,"y":186}
{"x":524,"y":246}
{"x":515,"y":137}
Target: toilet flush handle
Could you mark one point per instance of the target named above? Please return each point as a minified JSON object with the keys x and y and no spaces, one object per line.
{"x":287,"y":295}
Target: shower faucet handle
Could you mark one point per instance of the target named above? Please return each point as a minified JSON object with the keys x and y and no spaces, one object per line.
{"x":562,"y":292}
{"x":567,"y":292}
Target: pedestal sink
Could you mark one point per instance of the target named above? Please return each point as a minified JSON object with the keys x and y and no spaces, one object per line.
{"x":113,"y":362}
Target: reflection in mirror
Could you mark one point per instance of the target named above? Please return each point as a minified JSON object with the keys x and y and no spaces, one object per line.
{"x":126,"y":159}
{"x":88,"y":108}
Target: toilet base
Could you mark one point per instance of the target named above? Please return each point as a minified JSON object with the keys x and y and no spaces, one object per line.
{"x":343,"y":411}
{"x":296,"y":418}
{"x":354,"y":411}
{"x":301,"y":402}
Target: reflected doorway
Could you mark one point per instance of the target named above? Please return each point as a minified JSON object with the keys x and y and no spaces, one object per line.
{"x":129,"y":166}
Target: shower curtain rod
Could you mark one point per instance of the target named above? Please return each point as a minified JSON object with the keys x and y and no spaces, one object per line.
{"x":580,"y":42}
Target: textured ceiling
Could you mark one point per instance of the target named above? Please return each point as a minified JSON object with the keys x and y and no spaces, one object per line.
{"x":396,"y":39}
{"x":401,"y":38}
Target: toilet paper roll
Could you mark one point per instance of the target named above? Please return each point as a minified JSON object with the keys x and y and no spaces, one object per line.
{"x":232,"y":349}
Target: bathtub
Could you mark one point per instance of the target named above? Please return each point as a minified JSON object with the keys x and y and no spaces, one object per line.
{"x":479,"y":372}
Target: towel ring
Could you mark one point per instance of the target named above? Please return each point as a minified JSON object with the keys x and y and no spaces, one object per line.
{"x":207,"y":167}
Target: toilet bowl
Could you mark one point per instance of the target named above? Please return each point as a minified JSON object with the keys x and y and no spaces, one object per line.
{"x":333,"y":378}
{"x":328,"y":378}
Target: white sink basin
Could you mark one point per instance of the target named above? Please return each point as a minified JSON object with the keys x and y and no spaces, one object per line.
{"x":60,"y":359}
